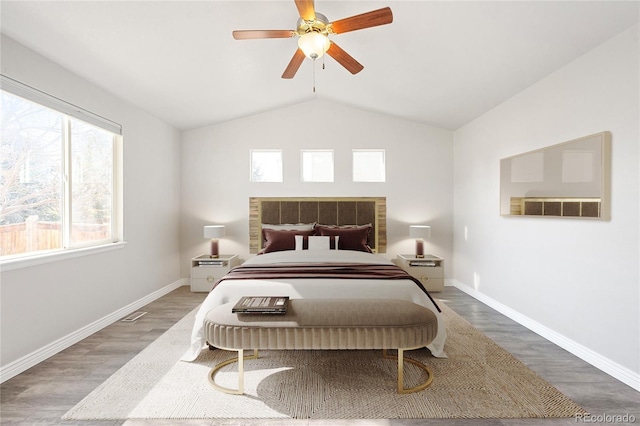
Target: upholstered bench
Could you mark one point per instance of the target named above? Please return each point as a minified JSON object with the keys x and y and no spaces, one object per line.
{"x":324,"y":324}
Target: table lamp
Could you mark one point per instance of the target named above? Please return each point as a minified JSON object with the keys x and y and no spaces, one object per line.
{"x":214,"y":232}
{"x":420,"y":232}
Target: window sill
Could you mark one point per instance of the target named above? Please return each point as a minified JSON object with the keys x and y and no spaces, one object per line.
{"x":25,"y":262}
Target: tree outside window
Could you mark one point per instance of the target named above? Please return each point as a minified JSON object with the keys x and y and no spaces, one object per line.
{"x":56,"y":179}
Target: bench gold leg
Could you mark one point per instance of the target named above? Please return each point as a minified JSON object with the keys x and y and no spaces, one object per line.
{"x":240,"y":360}
{"x":401,"y":359}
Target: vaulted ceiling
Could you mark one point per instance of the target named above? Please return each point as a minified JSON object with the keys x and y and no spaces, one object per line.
{"x":441,"y":63}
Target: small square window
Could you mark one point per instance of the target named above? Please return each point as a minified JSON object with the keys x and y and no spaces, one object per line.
{"x":266,"y":165}
{"x":368,"y":165}
{"x":317,"y":165}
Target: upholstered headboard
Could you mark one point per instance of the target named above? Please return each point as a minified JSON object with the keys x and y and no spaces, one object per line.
{"x":322,"y":210}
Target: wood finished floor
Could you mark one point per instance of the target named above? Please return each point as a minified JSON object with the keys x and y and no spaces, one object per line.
{"x":41,"y":395}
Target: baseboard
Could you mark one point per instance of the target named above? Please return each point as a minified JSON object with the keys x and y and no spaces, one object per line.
{"x":603,"y":363}
{"x":16,"y":367}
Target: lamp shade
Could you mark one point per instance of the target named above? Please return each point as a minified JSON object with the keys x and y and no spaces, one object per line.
{"x":420,"y":231}
{"x":214,"y":231}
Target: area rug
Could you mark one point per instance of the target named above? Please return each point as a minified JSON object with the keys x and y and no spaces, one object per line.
{"x":479,"y":379}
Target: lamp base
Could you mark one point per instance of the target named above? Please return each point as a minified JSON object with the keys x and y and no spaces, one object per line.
{"x":419,"y":248}
{"x":214,"y":248}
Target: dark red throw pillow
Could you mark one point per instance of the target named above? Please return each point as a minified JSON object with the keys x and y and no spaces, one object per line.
{"x":280,"y":240}
{"x":351,"y":237}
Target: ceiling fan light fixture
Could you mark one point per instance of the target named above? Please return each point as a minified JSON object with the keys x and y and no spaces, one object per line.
{"x":314,"y":44}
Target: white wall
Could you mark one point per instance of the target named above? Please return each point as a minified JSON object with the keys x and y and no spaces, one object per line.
{"x":215,"y":172}
{"x":44,"y":303}
{"x":576,"y":278}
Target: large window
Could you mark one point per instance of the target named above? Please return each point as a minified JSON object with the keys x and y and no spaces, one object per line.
{"x":57,"y":181}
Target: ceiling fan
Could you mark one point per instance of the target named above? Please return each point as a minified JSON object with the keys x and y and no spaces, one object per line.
{"x":313,"y":28}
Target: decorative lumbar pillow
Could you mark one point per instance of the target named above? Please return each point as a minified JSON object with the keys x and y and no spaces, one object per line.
{"x":351,"y":237}
{"x":280,"y":240}
{"x":316,"y":242}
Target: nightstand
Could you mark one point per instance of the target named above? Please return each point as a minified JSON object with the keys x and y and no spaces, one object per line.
{"x":205,"y":270}
{"x":428,"y":269}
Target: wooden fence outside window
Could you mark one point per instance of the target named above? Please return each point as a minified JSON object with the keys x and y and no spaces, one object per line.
{"x":34,"y":235}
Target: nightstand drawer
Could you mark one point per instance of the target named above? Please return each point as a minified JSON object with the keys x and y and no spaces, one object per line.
{"x":432,"y":279}
{"x":209,"y":271}
{"x":201,"y":284}
{"x":432,"y":284}
{"x":426,"y":278}
{"x":420,"y":271}
{"x":204,"y":278}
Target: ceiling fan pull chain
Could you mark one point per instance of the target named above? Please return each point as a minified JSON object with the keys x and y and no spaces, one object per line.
{"x":314,"y":76}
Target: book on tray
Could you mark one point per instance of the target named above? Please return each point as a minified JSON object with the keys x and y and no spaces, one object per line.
{"x":261,"y":305}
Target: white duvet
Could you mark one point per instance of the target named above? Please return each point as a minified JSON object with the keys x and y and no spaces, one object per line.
{"x":232,"y":290}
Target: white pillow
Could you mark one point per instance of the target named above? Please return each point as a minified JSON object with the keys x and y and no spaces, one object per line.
{"x":316,"y":242}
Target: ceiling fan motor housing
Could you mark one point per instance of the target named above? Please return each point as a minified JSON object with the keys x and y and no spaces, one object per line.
{"x":319,"y":25}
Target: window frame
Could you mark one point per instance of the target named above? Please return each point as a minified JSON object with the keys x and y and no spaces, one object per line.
{"x":70,"y":112}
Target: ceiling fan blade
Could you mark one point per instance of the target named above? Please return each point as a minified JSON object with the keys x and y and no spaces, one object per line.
{"x":294,"y":64}
{"x":251,"y":34}
{"x":344,"y":59}
{"x":306,"y":9}
{"x":365,"y":20}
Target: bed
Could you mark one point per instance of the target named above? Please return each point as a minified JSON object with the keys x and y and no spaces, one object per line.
{"x":339,"y":263}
